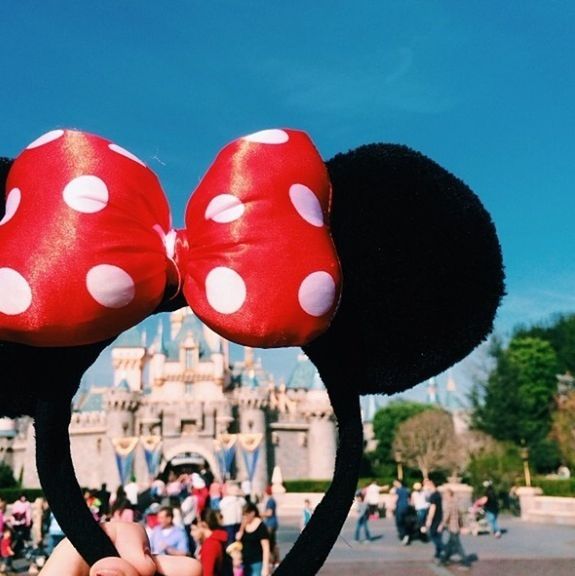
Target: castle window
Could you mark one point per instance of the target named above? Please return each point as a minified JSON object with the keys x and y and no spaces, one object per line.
{"x":189,"y":427}
{"x":189,"y":358}
{"x":188,"y":387}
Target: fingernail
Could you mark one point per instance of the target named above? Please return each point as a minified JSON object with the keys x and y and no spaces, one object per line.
{"x":109,"y":573}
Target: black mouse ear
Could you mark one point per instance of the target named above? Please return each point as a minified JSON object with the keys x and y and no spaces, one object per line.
{"x":422,"y":280}
{"x":422,"y":267}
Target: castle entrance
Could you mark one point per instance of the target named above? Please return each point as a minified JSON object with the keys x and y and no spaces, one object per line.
{"x":188,"y":457}
{"x":186,"y":463}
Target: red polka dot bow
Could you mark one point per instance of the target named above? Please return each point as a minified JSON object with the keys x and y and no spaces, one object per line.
{"x":87,"y":249}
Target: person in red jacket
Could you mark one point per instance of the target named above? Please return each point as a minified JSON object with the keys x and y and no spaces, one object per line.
{"x":211,"y":537}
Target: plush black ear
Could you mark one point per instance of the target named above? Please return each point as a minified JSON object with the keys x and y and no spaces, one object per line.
{"x":422,"y":265}
{"x":422,"y":280}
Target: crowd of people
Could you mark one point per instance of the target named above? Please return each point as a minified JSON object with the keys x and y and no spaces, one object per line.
{"x":426,"y":514}
{"x":227,"y":530}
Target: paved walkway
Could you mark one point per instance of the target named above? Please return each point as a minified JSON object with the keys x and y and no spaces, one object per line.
{"x":526,"y":549}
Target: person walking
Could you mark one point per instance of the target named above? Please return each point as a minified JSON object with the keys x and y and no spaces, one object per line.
{"x":453,"y":521}
{"x":434,"y":519}
{"x":362,"y":509}
{"x":401,"y":508}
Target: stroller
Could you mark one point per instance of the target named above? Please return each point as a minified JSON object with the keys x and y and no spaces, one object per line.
{"x":476,"y":520}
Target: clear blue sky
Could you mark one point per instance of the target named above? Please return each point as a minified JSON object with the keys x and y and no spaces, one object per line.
{"x":485,"y":88}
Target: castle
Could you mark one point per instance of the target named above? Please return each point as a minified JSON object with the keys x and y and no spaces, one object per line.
{"x":180,"y":403}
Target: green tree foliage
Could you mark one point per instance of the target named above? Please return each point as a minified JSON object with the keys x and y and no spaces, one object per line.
{"x":517,"y":400}
{"x":560,"y":333}
{"x":7,"y":479}
{"x":385,"y":423}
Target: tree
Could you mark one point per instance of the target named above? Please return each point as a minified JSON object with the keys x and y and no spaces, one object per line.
{"x":560,"y":333}
{"x":385,"y":423}
{"x":517,"y":401}
{"x":563,"y":428}
{"x":428,"y":441}
{"x":7,"y":479}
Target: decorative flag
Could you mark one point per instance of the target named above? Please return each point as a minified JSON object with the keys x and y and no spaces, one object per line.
{"x":152,"y":446}
{"x":225,"y":449}
{"x":124,"y":450}
{"x":250,"y":445}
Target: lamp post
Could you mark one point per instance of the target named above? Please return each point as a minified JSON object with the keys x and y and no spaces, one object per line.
{"x":399,"y":463}
{"x":524,"y":452}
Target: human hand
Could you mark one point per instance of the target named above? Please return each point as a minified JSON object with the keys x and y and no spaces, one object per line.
{"x":136,"y":560}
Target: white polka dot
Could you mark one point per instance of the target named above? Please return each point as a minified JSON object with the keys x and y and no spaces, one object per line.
{"x":268,"y":137}
{"x":316,"y":293}
{"x":224,"y":208}
{"x":15,"y":295}
{"x":12,"y":203}
{"x":124,"y":152}
{"x":86,"y":194}
{"x":45,"y":138}
{"x":110,"y":286}
{"x":225,"y":290}
{"x":307,"y":204}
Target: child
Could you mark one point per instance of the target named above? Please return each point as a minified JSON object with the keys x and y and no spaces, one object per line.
{"x":235,"y":551}
{"x":6,"y":550}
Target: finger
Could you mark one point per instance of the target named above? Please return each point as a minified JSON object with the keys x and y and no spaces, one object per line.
{"x":113,"y":567}
{"x":178,"y":566}
{"x":132,"y":544}
{"x":65,"y":555}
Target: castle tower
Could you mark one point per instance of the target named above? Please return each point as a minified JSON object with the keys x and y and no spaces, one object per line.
{"x":157,"y":354}
{"x":432,"y":397}
{"x":128,"y":357}
{"x":121,"y":403}
{"x":253,"y":399}
{"x":450,"y":392}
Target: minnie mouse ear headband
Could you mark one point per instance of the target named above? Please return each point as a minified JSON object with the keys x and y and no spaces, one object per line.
{"x":423,"y":279}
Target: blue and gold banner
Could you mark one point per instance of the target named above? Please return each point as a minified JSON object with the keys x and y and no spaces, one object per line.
{"x":124,"y":450}
{"x":225,"y":450}
{"x":250,"y":445}
{"x":152,"y":446}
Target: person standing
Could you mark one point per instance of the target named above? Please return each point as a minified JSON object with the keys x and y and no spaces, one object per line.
{"x":491,"y":507}
{"x":361,"y":524}
{"x":166,"y":537}
{"x":211,"y":539}
{"x":372,"y":491}
{"x":453,"y":521}
{"x":6,"y":550}
{"x":307,"y":513}
{"x":420,"y":503}
{"x":255,"y":543}
{"x":401,"y":507}
{"x":434,"y":520}
{"x":272,"y":524}
{"x":231,"y":508}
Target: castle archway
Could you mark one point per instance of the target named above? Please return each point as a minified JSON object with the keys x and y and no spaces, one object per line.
{"x":189,"y":454}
